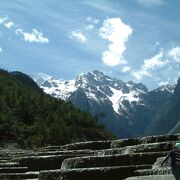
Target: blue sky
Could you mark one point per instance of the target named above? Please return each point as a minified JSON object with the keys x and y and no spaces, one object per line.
{"x":135,"y":40}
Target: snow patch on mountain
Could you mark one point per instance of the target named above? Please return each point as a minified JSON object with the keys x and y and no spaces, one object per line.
{"x":132,"y":97}
{"x":168,"y":88}
{"x":115,"y":98}
{"x":56,"y":87}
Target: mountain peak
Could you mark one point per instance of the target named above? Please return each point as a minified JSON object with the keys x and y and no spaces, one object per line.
{"x":92,"y":77}
{"x":97,"y":86}
{"x":95,"y":71}
{"x":168,"y":87}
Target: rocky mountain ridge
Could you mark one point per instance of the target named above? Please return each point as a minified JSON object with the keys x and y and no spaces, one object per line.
{"x":127,"y":107}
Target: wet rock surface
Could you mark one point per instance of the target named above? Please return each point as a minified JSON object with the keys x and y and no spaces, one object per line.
{"x":131,"y":159}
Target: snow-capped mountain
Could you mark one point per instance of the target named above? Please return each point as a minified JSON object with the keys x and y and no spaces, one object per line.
{"x":56,"y":87}
{"x":96,"y":86}
{"x":125,"y":105}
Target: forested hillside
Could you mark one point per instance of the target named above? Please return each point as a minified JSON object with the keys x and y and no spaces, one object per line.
{"x":32,"y":118}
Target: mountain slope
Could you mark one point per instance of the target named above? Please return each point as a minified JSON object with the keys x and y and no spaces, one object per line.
{"x":33,"y":118}
{"x":168,"y":118}
{"x":128,"y":108}
{"x":24,"y":78}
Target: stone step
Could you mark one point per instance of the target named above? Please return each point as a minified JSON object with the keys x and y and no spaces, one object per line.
{"x":124,"y":142}
{"x":150,"y":147}
{"x":36,"y":163}
{"x":66,"y":152}
{"x":8,"y":152}
{"x":49,"y":153}
{"x":153,"y":177}
{"x":93,"y":145}
{"x":149,"y":139}
{"x":160,"y":171}
{"x":9,"y":164}
{"x":98,"y":173}
{"x":160,"y":138}
{"x":4,"y":161}
{"x":112,"y":160}
{"x":49,"y":148}
{"x":4,"y":155}
{"x":5,"y":158}
{"x":13,"y":169}
{"x":19,"y":176}
{"x":26,"y":153}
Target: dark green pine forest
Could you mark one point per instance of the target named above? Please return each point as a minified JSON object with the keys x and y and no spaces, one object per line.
{"x":32,"y":118}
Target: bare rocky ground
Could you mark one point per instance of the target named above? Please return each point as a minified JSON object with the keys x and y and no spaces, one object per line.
{"x":131,"y":159}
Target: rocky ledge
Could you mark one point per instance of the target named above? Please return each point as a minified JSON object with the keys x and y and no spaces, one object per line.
{"x":131,"y":159}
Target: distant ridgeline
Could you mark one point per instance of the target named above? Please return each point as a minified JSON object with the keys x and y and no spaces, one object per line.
{"x":32,"y":118}
{"x":167,"y":119}
{"x":126,"y":109}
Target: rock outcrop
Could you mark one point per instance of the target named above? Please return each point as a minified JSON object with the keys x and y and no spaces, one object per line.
{"x":129,"y":159}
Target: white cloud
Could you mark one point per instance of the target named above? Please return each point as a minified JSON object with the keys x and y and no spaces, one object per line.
{"x":126,"y":69}
{"x":175,"y":53}
{"x":9,"y":24}
{"x":35,"y":36}
{"x":154,"y":63}
{"x":116,"y":32}
{"x":92,"y":20}
{"x":1,"y":50}
{"x":3,"y":19}
{"x":150,"y":3}
{"x":90,"y":27}
{"x":78,"y":36}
